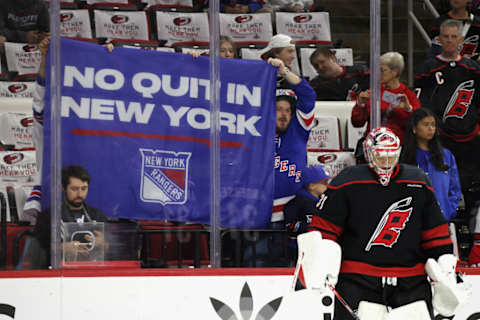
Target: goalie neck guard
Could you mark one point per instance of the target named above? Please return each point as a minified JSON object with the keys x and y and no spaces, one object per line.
{"x":382,"y":150}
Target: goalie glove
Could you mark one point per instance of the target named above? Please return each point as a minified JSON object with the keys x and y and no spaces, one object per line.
{"x":448,"y":295}
{"x":319,"y":260}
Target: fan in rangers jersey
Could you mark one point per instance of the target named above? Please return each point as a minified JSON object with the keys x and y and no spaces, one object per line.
{"x":387,"y":222}
{"x":448,"y":84}
{"x":294,"y":120}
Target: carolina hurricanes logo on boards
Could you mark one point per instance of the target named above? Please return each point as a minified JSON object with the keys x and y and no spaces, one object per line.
{"x":327,"y":158}
{"x":17,"y":87}
{"x":119,"y":19}
{"x":164,"y":176}
{"x":302,"y":18}
{"x":460,"y":101}
{"x":243,"y":18}
{"x":181,"y":21}
{"x":391,"y":225}
{"x":64,"y":17}
{"x":13,"y":158}
{"x":26,"y":122}
{"x":30,"y":48}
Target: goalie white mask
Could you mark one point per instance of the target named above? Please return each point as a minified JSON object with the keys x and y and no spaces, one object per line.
{"x":382,"y":150}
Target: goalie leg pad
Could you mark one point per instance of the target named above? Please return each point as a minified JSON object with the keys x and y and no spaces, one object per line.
{"x":319,"y":259}
{"x":371,"y":311}
{"x":413,"y":311}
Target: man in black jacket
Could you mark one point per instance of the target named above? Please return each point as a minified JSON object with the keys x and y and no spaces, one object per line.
{"x":75,"y":184}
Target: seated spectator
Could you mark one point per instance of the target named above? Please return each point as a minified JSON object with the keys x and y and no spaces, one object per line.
{"x":281,"y":47}
{"x":228,"y":49}
{"x":422,"y":148}
{"x":397,"y":100}
{"x":240,"y":6}
{"x":288,"y":5}
{"x":335,"y":82}
{"x":75,"y":186}
{"x":298,"y":211}
{"x":23,"y":21}
{"x":459,"y":10}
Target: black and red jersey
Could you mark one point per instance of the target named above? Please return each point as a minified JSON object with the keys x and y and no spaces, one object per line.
{"x":471,"y":31}
{"x":451,"y":90}
{"x":345,"y":87}
{"x":383,"y":231}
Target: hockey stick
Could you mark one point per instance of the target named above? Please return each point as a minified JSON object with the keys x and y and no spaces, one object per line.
{"x":343,"y":302}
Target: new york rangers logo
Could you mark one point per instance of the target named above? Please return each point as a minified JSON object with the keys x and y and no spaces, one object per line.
{"x":164,"y":177}
{"x":391,"y":225}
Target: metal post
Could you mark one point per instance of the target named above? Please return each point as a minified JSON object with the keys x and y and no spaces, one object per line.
{"x":410,"y":45}
{"x":390,"y":25}
{"x":375,"y":38}
{"x":55,"y":141}
{"x":215,"y":242}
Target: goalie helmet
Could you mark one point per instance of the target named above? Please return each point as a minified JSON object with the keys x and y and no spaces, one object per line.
{"x":382,"y":150}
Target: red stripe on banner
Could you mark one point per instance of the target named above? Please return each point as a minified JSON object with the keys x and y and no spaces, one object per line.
{"x":437,"y":232}
{"x":436,"y":243}
{"x":124,"y":134}
{"x":374,"y":271}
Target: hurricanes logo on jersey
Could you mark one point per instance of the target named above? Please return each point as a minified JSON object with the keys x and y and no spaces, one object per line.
{"x":469,"y":46}
{"x":460,"y":101}
{"x":392,"y":223}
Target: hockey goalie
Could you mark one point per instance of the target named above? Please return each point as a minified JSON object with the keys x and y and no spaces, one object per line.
{"x":393,"y":238}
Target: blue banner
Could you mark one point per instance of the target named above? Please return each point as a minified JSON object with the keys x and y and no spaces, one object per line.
{"x":139,"y":122}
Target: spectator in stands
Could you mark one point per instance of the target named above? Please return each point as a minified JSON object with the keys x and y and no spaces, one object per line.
{"x":288,"y":5}
{"x":397,"y":100}
{"x":32,"y":206}
{"x":422,"y":148}
{"x":281,"y":47}
{"x":449,"y":85}
{"x":298,"y":211}
{"x":335,"y":82}
{"x":228,"y":49}
{"x":75,"y":186}
{"x":470,"y":29}
{"x":240,"y":6}
{"x":23,"y":21}
{"x":294,"y":120}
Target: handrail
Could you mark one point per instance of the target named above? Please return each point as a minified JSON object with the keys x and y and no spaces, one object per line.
{"x":420,"y":28}
{"x":432,"y":9}
{"x":3,"y":236}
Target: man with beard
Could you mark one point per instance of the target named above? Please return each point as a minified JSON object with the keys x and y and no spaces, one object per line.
{"x":75,"y":184}
{"x":294,"y":120}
